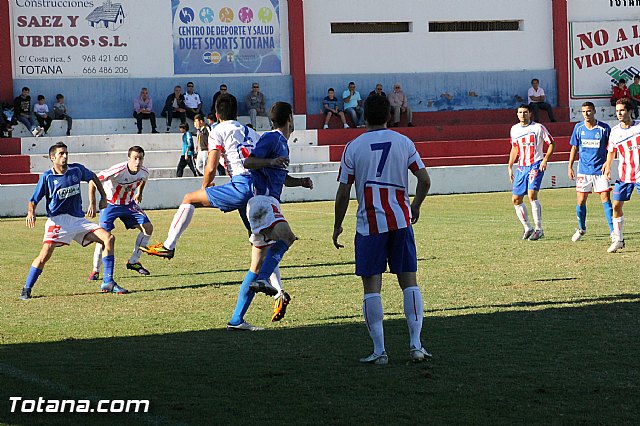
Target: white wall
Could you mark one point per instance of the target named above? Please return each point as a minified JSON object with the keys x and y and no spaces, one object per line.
{"x":419,"y":50}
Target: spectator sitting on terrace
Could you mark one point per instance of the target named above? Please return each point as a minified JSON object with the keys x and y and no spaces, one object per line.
{"x":353,"y":105}
{"x":331,"y":106}
{"x":255,"y":102}
{"x":223,"y":91}
{"x":60,"y":112}
{"x":41,"y":111}
{"x":399,"y":105}
{"x":143,"y":110}
{"x":620,"y":92}
{"x":22,"y":112}
{"x":378,"y":91}
{"x":5,"y":125}
{"x":174,"y":105}
{"x":537,"y":100}
{"x":192,"y":102}
{"x":634,"y":92}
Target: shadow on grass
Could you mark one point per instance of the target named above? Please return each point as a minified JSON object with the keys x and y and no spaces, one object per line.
{"x":562,"y":365}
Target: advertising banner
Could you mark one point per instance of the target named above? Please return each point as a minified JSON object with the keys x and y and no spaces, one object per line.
{"x":226,"y":37}
{"x":602,"y":53}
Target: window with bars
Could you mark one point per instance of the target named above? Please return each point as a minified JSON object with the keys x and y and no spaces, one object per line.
{"x":370,"y":27}
{"x":465,"y":26}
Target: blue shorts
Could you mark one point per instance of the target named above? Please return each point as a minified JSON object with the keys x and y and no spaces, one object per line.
{"x":131,"y":215}
{"x":233,"y":195}
{"x":397,"y":248}
{"x":622,"y":190}
{"x":527,"y":178}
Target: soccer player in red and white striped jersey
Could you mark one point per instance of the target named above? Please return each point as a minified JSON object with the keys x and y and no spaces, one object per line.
{"x":123,"y":184}
{"x":377,"y":162}
{"x":625,"y":141}
{"x":527,"y":143}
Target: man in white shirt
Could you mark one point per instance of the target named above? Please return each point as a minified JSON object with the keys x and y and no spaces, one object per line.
{"x":192,"y":101}
{"x":537,"y":100}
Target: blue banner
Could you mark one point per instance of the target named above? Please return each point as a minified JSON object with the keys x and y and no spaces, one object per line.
{"x":226,"y":37}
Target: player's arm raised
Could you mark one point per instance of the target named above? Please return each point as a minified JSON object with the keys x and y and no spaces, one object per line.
{"x":211,"y":168}
{"x":342,"y":204}
{"x":422,"y":189}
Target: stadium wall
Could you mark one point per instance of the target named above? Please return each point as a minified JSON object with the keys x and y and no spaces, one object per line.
{"x":168,"y":193}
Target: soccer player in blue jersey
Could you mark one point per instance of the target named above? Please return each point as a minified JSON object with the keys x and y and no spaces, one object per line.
{"x":271,"y":235}
{"x":590,"y":139}
{"x":65,"y":220}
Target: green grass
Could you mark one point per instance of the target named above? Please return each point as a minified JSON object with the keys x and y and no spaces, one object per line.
{"x":522,"y":332}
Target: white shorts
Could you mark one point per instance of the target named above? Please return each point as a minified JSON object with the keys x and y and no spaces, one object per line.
{"x":263,"y":213}
{"x":584,"y":183}
{"x":64,"y":228}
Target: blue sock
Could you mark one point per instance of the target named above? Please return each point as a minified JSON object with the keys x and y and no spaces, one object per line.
{"x":273,"y":258}
{"x":107,"y":263}
{"x":608,"y":211}
{"x":245,"y":296}
{"x":34,"y":273}
{"x":581,"y":212}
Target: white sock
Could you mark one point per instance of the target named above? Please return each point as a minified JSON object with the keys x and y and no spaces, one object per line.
{"x":179,"y":224}
{"x":97,"y":257}
{"x":276,"y":281}
{"x":414,"y":311}
{"x":521,"y":212}
{"x":617,"y":228}
{"x":141,"y":240}
{"x":373,"y":316}
{"x":536,"y":210}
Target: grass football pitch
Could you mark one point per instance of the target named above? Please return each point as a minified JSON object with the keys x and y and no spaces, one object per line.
{"x":522,"y":332}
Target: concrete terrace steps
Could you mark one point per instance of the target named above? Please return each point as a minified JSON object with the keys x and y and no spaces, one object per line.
{"x":442,"y":133}
{"x":451,"y":118}
{"x":315,"y":167}
{"x":471,"y":160}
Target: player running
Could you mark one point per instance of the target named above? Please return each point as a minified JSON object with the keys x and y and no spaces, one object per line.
{"x":625,"y":140}
{"x":527,"y":140}
{"x":65,"y":220}
{"x":590,"y":139}
{"x":123,"y":184}
{"x":377,"y":163}
{"x":271,"y":235}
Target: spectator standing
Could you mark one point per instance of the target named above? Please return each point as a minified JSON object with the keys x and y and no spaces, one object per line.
{"x":255,"y":102}
{"x":60,"y":112}
{"x":41,"y":111}
{"x":174,"y":105}
{"x":202,"y":143}
{"x":192,"y":101}
{"x":353,"y":105}
{"x":186,"y":159}
{"x":399,"y":105}
{"x":537,"y":100}
{"x":22,"y":112}
{"x":331,"y":106}
{"x":143,"y":110}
